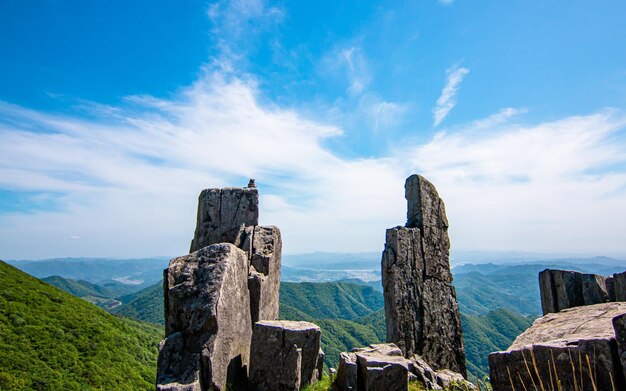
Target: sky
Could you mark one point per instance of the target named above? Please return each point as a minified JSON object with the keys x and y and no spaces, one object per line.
{"x":115,"y":115}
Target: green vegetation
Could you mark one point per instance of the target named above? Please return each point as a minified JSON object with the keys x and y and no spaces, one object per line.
{"x":54,"y":341}
{"x":488,"y":333}
{"x":146,"y":305}
{"x":331,"y":300}
{"x":352,"y":315}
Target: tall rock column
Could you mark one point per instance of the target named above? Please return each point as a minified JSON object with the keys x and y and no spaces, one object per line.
{"x":222,"y":212}
{"x":421,"y":308}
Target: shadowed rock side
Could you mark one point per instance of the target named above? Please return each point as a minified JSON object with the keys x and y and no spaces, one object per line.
{"x":207,"y":321}
{"x":561,"y":289}
{"x":222,"y":212}
{"x":577,"y":345}
{"x":421,"y":308}
{"x":285,"y":355}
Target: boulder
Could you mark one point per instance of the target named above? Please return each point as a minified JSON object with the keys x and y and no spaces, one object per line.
{"x":285,"y":355}
{"x":383,"y":367}
{"x":561,"y":289}
{"x":222,"y":212}
{"x":576,"y":345}
{"x":422,"y":312}
{"x":207,"y":320}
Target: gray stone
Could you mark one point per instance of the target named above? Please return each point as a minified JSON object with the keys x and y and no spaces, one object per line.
{"x":222,"y":212}
{"x":594,"y":289}
{"x":421,"y":308}
{"x":559,"y":341}
{"x":264,"y":246}
{"x":347,"y":373}
{"x":383,"y":367}
{"x":207,"y":315}
{"x":285,"y":355}
{"x":619,"y":326}
{"x":619,"y":283}
{"x":560,"y":289}
{"x":177,"y":370}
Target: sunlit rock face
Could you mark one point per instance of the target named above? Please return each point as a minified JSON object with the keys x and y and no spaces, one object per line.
{"x":421,"y":309}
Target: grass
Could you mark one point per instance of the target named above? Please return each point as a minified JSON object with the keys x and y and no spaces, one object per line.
{"x":582,"y":371}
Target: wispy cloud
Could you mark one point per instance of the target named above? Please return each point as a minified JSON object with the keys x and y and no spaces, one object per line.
{"x":446,"y":2}
{"x":128,"y":177}
{"x":447,"y":99}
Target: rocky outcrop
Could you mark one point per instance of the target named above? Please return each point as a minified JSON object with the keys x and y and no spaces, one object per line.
{"x":208,"y":323}
{"x":263,"y":246}
{"x":577,"y":346}
{"x":285,"y":355}
{"x":384,"y":367}
{"x":222,"y":212}
{"x":421,"y":308}
{"x":214,"y":295}
{"x":561,"y":289}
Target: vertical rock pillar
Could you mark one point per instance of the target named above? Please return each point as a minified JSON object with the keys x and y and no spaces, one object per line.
{"x":421,"y":309}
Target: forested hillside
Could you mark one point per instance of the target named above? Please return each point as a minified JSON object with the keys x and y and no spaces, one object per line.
{"x":51,"y":340}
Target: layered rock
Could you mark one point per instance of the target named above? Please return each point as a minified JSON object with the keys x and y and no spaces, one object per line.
{"x":207,"y":321}
{"x":222,"y":212}
{"x":384,"y":367}
{"x":577,"y":346}
{"x":285,"y":355}
{"x":561,"y":289}
{"x":421,"y":308}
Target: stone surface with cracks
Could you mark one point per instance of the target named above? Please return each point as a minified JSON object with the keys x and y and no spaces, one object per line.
{"x":422,"y":312}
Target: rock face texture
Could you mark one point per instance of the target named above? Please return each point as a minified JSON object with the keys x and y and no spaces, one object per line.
{"x":214,"y":295}
{"x":421,"y":308}
{"x":577,"y":344}
{"x":208,"y":323}
{"x":285,"y":355}
{"x":384,"y":367}
{"x":561,"y":289}
{"x":222,"y":212}
{"x":263,"y":246}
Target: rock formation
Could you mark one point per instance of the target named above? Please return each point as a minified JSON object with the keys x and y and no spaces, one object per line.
{"x":214,"y":295}
{"x":222,"y":212}
{"x":561,"y":289}
{"x":207,"y":321}
{"x":577,"y":345}
{"x":263,"y":246}
{"x":285,"y":355}
{"x":421,"y":308}
{"x":384,"y":367}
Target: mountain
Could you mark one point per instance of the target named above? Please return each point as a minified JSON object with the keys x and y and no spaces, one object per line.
{"x":491,"y":332}
{"x":52,"y":340}
{"x":132,"y":272}
{"x":352,"y":315}
{"x":331,"y":300}
{"x":146,"y":305}
{"x":99,"y":295}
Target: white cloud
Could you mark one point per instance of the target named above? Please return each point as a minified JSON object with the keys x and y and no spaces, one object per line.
{"x":447,"y":99}
{"x":446,"y":2}
{"x":126,"y":179}
{"x":557,"y":186}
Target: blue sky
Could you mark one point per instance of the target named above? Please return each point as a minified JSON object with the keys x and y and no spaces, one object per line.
{"x":114,"y":115}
